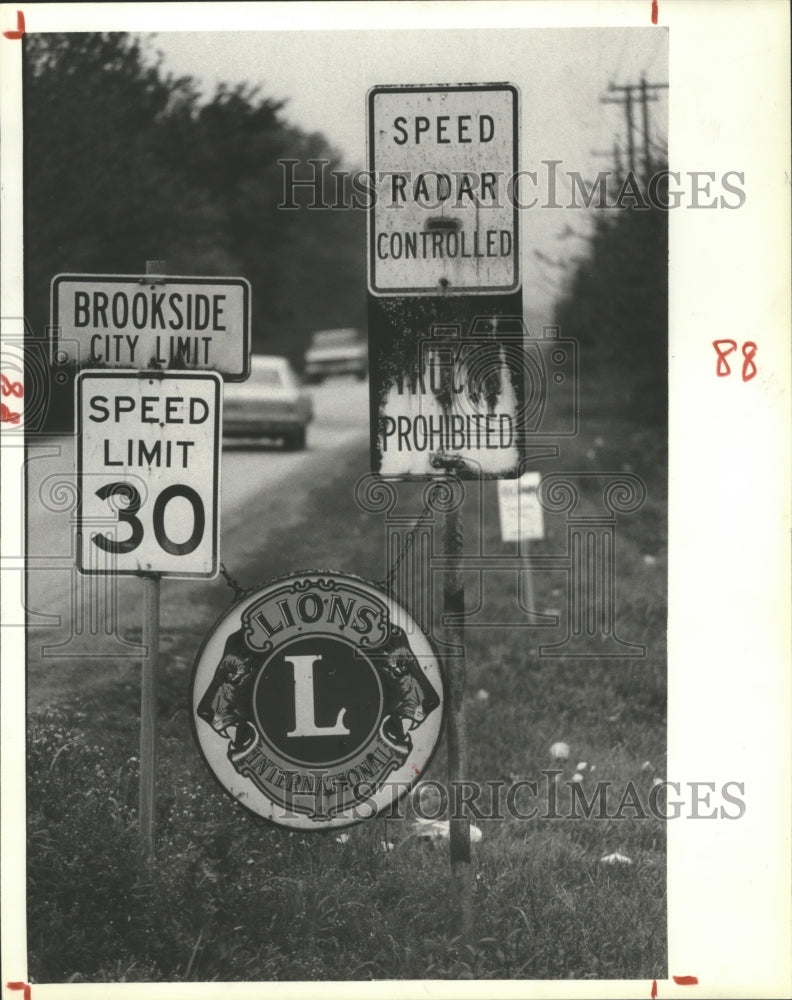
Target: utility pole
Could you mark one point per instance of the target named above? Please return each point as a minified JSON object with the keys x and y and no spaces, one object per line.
{"x":642,"y":93}
{"x":614,"y":155}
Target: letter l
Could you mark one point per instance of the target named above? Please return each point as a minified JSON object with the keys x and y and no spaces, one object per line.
{"x":304,"y":711}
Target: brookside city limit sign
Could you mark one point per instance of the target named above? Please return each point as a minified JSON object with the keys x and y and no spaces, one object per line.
{"x":441,"y":160}
{"x":153,"y":321}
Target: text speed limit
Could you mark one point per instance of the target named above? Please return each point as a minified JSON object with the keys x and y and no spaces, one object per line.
{"x":148,"y":471}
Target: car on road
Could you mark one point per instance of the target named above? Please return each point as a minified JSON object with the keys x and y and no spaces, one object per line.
{"x":340,"y":351}
{"x":271,"y":404}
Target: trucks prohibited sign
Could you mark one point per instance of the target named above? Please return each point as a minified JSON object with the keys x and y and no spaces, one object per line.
{"x":148,"y":472}
{"x":443,"y":219}
{"x":317,"y":701}
{"x":129,"y":321}
{"x":457,"y":402}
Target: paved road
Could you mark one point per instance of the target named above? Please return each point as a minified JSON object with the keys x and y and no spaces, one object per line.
{"x":81,"y":625}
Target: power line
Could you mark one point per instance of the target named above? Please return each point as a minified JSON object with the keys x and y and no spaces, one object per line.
{"x":644,"y":94}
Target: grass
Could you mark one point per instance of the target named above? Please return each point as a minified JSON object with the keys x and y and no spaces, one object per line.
{"x":228,"y":897}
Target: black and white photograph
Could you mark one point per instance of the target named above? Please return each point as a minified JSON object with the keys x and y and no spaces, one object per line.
{"x":396,"y":492}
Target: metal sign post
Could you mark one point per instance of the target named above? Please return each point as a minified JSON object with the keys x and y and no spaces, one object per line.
{"x":149,"y":683}
{"x":149,"y":688}
{"x":456,"y":678}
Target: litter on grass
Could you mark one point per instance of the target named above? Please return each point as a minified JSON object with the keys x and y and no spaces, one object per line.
{"x":438,"y":829}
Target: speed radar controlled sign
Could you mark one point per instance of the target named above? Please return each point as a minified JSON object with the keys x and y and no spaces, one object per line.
{"x":148,"y":472}
{"x":443,"y":216}
{"x":317,"y":701}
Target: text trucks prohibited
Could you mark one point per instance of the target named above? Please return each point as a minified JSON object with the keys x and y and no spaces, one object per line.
{"x":443,"y":216}
{"x":148,"y":472}
{"x":153,"y":321}
{"x":317,"y":701}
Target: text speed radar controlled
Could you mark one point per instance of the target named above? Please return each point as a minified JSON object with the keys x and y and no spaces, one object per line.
{"x":468,"y":373}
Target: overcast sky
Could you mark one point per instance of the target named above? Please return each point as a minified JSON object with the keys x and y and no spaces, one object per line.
{"x":561,"y":74}
{"x":324,"y":75}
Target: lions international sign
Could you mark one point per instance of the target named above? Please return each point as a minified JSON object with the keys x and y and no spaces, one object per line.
{"x":317,"y":701}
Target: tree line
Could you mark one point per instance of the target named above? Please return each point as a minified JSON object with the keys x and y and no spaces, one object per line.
{"x":124,"y":163}
{"x":615,"y":305}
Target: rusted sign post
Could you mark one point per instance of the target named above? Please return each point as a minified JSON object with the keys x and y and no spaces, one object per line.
{"x":149,"y":687}
{"x":459,"y":825}
{"x":446,"y":397}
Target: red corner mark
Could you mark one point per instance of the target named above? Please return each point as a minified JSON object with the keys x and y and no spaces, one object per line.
{"x":679,"y":980}
{"x":654,"y":11}
{"x":25,"y":987}
{"x":20,"y":31}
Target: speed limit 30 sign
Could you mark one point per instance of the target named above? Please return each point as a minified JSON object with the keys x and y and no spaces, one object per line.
{"x":148,"y":472}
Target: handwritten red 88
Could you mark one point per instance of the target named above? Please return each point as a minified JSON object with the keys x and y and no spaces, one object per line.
{"x":726,"y":347}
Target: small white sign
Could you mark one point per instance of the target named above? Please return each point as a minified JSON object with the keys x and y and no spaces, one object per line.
{"x":153,"y":321}
{"x":520,"y":510}
{"x":443,"y":216}
{"x":148,"y":472}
